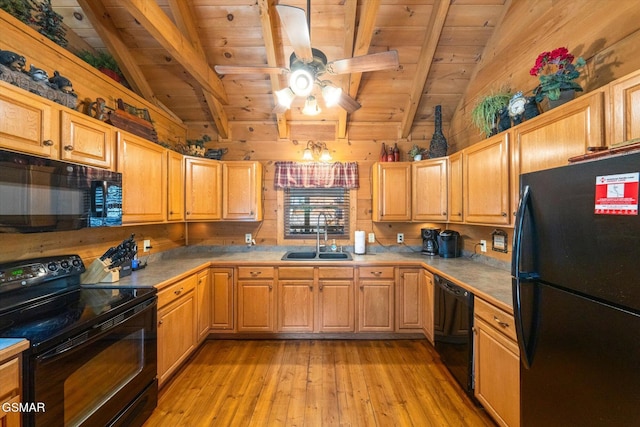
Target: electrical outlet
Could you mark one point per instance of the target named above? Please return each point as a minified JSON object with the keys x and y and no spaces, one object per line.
{"x":400,"y":238}
{"x":146,"y":245}
{"x":372,"y":238}
{"x":483,"y":246}
{"x":248,"y":239}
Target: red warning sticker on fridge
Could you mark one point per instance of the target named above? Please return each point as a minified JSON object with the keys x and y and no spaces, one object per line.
{"x":617,"y":194}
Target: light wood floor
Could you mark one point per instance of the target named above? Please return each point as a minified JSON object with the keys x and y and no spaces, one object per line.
{"x":315,"y":383}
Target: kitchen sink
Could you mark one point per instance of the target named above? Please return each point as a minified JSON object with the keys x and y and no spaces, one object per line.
{"x":316,"y":256}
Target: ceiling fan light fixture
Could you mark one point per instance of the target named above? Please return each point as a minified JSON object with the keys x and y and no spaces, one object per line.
{"x":331,"y":95}
{"x":311,"y":107}
{"x":301,"y":82}
{"x":285,"y":97}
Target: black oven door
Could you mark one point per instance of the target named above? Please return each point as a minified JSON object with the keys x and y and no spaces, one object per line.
{"x":107,"y":379}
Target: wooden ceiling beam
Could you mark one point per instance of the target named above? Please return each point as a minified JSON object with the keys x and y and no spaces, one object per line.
{"x":427,"y":52}
{"x":351,"y":7}
{"x":102,"y":23}
{"x":165,"y":32}
{"x":274,"y":51}
{"x":185,"y":21}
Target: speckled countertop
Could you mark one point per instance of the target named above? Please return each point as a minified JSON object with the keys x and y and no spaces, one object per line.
{"x":485,"y":281}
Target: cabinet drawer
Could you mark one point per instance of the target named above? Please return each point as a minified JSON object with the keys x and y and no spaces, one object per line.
{"x":376,"y":272}
{"x":255,"y":272}
{"x":176,"y":290}
{"x":335,"y":273}
{"x":295,"y":272}
{"x":10,"y":378}
{"x":495,"y":317}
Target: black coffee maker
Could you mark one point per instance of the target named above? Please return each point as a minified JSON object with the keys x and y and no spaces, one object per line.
{"x":430,"y":240}
{"x":449,"y":244}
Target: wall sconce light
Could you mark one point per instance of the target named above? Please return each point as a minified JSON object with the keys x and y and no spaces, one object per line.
{"x":316,"y":149}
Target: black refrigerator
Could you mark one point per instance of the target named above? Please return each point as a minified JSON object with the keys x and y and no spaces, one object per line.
{"x":576,"y":294}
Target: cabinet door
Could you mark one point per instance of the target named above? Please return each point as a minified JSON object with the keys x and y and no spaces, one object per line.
{"x":203,"y":189}
{"x":391,"y":192}
{"x":25,"y":123}
{"x":242,"y":191}
{"x":176,"y":334}
{"x":203,"y":293}
{"x":144,"y":179}
{"x":625,"y":102}
{"x":409,"y":300}
{"x":455,"y":207}
{"x":427,"y":304}
{"x":486,"y":181}
{"x":222,"y":298}
{"x":550,"y":139}
{"x":375,"y":306}
{"x":255,"y":306}
{"x":10,"y":419}
{"x":86,"y":140}
{"x":429,"y":190}
{"x":497,"y":374}
{"x":175,"y":186}
{"x":295,"y":305}
{"x":336,"y":307}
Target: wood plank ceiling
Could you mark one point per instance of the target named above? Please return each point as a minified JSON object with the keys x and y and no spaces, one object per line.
{"x":167,"y":49}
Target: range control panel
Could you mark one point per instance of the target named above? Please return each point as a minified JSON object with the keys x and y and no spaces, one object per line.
{"x":39,"y":270}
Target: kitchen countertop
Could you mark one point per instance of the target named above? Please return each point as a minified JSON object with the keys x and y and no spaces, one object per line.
{"x":10,"y":347}
{"x":490,"y":283}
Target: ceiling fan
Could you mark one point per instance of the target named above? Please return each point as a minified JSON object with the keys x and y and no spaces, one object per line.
{"x":307,"y":65}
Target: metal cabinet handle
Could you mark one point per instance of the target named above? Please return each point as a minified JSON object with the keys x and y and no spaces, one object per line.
{"x":255,"y":273}
{"x":362,"y":287}
{"x":376,"y":273}
{"x":188,"y":213}
{"x":270,"y":287}
{"x":47,"y":142}
{"x":500,"y":322}
{"x":503,"y":214}
{"x":160,"y":322}
{"x":68,"y":148}
{"x":178,"y":292}
{"x":311,"y":287}
{"x":321,"y":286}
{"x":444,"y":214}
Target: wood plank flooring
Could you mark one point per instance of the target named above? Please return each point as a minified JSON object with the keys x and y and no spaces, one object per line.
{"x":315,"y":383}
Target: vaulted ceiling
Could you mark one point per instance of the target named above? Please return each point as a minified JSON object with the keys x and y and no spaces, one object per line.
{"x":168,"y":49}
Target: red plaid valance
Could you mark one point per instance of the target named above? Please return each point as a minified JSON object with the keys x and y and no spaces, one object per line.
{"x":316,"y":175}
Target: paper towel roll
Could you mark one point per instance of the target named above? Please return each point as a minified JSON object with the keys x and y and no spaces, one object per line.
{"x":359,"y":246}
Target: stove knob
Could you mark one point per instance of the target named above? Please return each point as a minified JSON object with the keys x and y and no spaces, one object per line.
{"x":76,"y":263}
{"x":52,"y":266}
{"x":64,"y":264}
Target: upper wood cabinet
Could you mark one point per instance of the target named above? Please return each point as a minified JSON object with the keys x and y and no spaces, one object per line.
{"x":429,"y":190}
{"x":486,"y":181}
{"x":391,"y":191}
{"x":549,"y":140}
{"x":143,"y":165}
{"x":175,"y":186}
{"x":242,"y":191}
{"x":34,"y":125}
{"x":455,"y":206}
{"x":203,"y":189}
{"x":86,"y":140}
{"x":25,"y":122}
{"x":625,"y":106}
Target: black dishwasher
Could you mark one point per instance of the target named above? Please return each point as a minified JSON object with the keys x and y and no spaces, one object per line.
{"x":453,"y":334}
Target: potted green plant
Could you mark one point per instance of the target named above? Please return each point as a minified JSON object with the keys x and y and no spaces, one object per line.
{"x":556,"y":73}
{"x":103,"y":61}
{"x":485,"y":114}
{"x":416,"y":152}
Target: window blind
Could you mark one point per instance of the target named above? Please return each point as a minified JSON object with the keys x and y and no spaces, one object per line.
{"x":304,"y":208}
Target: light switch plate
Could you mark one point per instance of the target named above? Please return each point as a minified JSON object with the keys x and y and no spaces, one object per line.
{"x":248,"y":239}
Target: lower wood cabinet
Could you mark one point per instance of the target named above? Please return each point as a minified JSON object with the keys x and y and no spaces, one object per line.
{"x":177,"y":325}
{"x":376,"y":299}
{"x":222,"y":299}
{"x":497,"y":364}
{"x":336,"y":307}
{"x":409,"y":291}
{"x":256,"y":299}
{"x":296,"y":299}
{"x":426,"y":281}
{"x":203,"y":294}
{"x":10,"y":391}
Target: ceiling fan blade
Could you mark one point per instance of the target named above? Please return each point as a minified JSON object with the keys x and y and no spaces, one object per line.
{"x":359,"y":64}
{"x":233,"y":69}
{"x":295,"y":25}
{"x":348,"y":103}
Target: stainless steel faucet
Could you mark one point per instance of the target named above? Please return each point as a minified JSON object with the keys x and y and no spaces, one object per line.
{"x":318,"y":231}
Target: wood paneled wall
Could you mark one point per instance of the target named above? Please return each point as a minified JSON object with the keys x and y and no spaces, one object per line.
{"x":605,"y":33}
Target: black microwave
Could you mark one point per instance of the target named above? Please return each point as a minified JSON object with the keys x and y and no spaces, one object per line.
{"x":39,"y":194}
